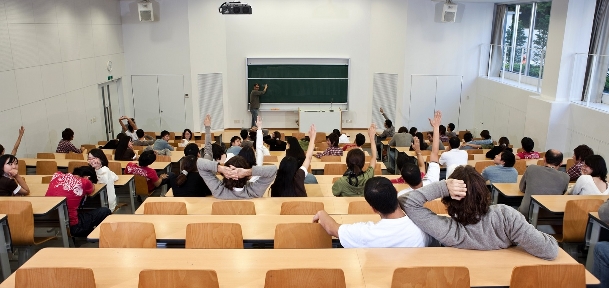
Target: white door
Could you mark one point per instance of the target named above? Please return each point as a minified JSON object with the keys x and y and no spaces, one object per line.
{"x":171,"y":99}
{"x":146,"y":102}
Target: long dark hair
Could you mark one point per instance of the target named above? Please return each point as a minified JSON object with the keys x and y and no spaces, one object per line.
{"x":423,"y":144}
{"x":191,"y":135}
{"x":189,"y":164}
{"x":83,"y":171}
{"x":122,"y":147}
{"x":247,"y":152}
{"x":238,"y":162}
{"x":284,"y":182}
{"x":355,"y":163}
{"x":295,"y":151}
{"x":598,"y":166}
{"x":8,"y":159}
{"x":475,"y":205}
{"x":98,"y":153}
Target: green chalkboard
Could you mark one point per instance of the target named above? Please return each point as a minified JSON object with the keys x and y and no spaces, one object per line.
{"x":300,"y":83}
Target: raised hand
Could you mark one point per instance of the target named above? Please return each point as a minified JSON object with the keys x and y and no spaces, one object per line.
{"x":312,"y":133}
{"x":259,"y":122}
{"x":437,"y":119}
{"x":207,"y":121}
{"x":382,"y":112}
{"x":416,"y":145}
{"x":372,"y":131}
{"x":21,"y":131}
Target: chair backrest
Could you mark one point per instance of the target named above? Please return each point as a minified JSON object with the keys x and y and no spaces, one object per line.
{"x":519,"y":150}
{"x":575,"y":219}
{"x":71,"y":166}
{"x":331,"y":158}
{"x":172,"y":135}
{"x":139,"y":149}
{"x":163,"y":158}
{"x":474,"y":151}
{"x":541,"y":162}
{"x":299,"y":136}
{"x":570,"y":163}
{"x":178,"y":279}
{"x":462,"y":133}
{"x":233,"y":208}
{"x":88,"y":146}
{"x":214,"y":236}
{"x":115,"y":167}
{"x":127,"y":235}
{"x":321,"y":146}
{"x":520,"y":166}
{"x":75,"y":156}
{"x":180,"y":148}
{"x":301,"y":236}
{"x":54,"y":277}
{"x":449,"y":277}
{"x":46,"y":179}
{"x":335,"y":179}
{"x":470,"y":156}
{"x":305,"y":277}
{"x":46,"y":167}
{"x":270,"y":158}
{"x":480,"y":165}
{"x":45,"y":156}
{"x":426,"y":152}
{"x":102,"y":143}
{"x":436,"y":207}
{"x":301,"y":208}
{"x":377,"y":168}
{"x":543,"y":155}
{"x":165,"y":208}
{"x":549,"y":276}
{"x":151,"y":134}
{"x":320,"y":137}
{"x":141,"y":185}
{"x":335,"y":169}
{"x":20,"y":221}
{"x":22,"y":167}
{"x":359,"y":207}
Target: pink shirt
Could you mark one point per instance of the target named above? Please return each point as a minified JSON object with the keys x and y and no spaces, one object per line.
{"x":73,"y":188}
{"x":528,"y":155}
{"x":147,"y":172}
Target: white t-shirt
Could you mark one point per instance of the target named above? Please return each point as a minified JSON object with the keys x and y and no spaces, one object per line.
{"x":132,"y":135}
{"x":343,"y":139}
{"x":401,"y":232}
{"x":454,"y":157}
{"x":106,"y":176}
{"x":585,"y":186}
{"x":433,"y":175}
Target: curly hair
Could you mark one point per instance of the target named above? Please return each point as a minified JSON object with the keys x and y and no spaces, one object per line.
{"x":238,"y":162}
{"x":475,"y":205}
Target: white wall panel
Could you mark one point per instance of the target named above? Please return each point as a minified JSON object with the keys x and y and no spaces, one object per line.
{"x":9,"y":133}
{"x":47,"y":36}
{"x":19,"y":11}
{"x":24,"y":45}
{"x":105,"y":12}
{"x":52,"y":80}
{"x":74,"y":11}
{"x":2,"y":12}
{"x":29,"y":85}
{"x":57,"y":120}
{"x":9,"y":96}
{"x":94,"y":110}
{"x":6,"y":57}
{"x":31,"y":115}
{"x":77,"y":116}
{"x":72,"y":73}
{"x":87,"y":67}
{"x":44,"y":11}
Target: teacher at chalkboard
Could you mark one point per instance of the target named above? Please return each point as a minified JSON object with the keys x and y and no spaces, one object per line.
{"x":255,"y":101}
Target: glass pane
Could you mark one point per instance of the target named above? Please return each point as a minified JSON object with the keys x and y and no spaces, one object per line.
{"x":540,"y":38}
{"x":519,"y":21}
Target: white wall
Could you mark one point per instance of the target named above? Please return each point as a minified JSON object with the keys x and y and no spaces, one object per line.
{"x":159,"y":47}
{"x":52,"y":55}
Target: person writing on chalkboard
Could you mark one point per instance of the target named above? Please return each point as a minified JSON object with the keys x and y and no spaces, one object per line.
{"x":255,"y":101}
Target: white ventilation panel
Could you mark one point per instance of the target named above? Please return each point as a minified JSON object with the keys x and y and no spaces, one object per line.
{"x":384,"y":95}
{"x":211,"y":99}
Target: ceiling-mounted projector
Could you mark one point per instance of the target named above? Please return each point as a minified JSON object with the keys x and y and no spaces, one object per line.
{"x":235,"y":8}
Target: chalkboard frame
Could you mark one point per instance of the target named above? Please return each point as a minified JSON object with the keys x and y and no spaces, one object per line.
{"x":285,"y":106}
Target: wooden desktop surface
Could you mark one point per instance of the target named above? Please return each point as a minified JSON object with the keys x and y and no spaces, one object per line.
{"x":327,"y":179}
{"x":176,"y":156}
{"x":120,"y":267}
{"x":37,"y":179}
{"x":558,"y":203}
{"x":63,"y":163}
{"x":509,"y":189}
{"x":253,"y":227}
{"x":40,"y":205}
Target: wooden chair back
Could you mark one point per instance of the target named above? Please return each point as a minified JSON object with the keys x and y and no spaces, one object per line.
{"x":301,"y":236}
{"x":480,"y":165}
{"x":46,"y":179}
{"x":151,"y":134}
{"x":127,"y":235}
{"x":46,"y":167}
{"x":436,"y":206}
{"x":426,"y":152}
{"x":360,"y":207}
{"x":20,"y":221}
{"x":180,"y":148}
{"x":329,"y":158}
{"x":542,"y":154}
{"x":102,"y":143}
{"x":453,"y":277}
{"x":88,"y":146}
{"x":335,"y":169}
{"x":163,"y":158}
{"x":320,"y":137}
{"x":178,"y":279}
{"x":54,"y":277}
{"x":549,"y":276}
{"x":462,"y":133}
{"x":165,"y":208}
{"x":233,"y":208}
{"x":22,"y":167}
{"x":474,"y":151}
{"x":470,"y":156}
{"x":570,"y":163}
{"x":214,"y":236}
{"x":73,"y":165}
{"x":301,"y":208}
{"x":521,"y":166}
{"x":305,"y":277}
{"x":75,"y":156}
{"x":139,"y":149}
{"x":299,"y":135}
{"x":321,"y":146}
{"x":270,"y":158}
{"x":172,"y":135}
{"x":377,"y":168}
{"x":115,"y":167}
{"x":541,"y":162}
{"x":141,"y":185}
{"x":575,"y":219}
{"x":45,"y":156}
{"x":519,"y":150}
{"x":335,"y":179}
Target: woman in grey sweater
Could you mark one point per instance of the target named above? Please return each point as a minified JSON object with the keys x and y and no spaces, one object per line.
{"x":235,"y":184}
{"x":473,"y":224}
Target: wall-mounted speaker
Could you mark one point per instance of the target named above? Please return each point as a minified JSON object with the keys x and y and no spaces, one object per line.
{"x":449,"y":12}
{"x":145,"y":11}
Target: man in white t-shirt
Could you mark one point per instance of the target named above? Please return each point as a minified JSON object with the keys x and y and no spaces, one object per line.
{"x":395,"y":229}
{"x":454,"y":157}
{"x":412,"y":173}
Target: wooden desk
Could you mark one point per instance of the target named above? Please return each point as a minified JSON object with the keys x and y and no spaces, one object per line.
{"x":41,"y":206}
{"x":327,"y":179}
{"x":264,"y":206}
{"x":247,"y":267}
{"x":172,"y":228}
{"x":555,"y":204}
{"x":5,"y":246}
{"x":593,"y":231}
{"x":63,"y":163}
{"x":506,"y":189}
{"x":318,"y":165}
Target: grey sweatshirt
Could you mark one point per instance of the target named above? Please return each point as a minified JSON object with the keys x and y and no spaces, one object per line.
{"x":603,"y":211}
{"x":208,"y":170}
{"x":500,"y":228}
{"x":541,"y":180}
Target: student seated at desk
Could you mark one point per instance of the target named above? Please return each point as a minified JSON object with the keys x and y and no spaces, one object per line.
{"x":147,"y":158}
{"x":580,"y":153}
{"x":601,"y":252}
{"x":473,"y":223}
{"x":387,"y":132}
{"x":275,"y":143}
{"x":65,"y":144}
{"x":503,"y":171}
{"x":593,"y":180}
{"x":353,"y":181}
{"x":454,"y":156}
{"x":342,"y":137}
{"x":400,"y":162}
{"x":188,"y":183}
{"x":192,"y":149}
{"x":443,"y":136}
{"x":295,"y":150}
{"x":143,"y":139}
{"x":235,"y":146}
{"x":75,"y":186}
{"x":528,"y":153}
{"x":333,"y":149}
{"x":11,"y":183}
{"x":360,"y":140}
{"x":504,"y":143}
{"x":290,"y":176}
{"x":400,"y":139}
{"x":451,"y":131}
{"x":98,"y":160}
{"x":187,"y":137}
{"x":14,"y":152}
{"x":395,"y":229}
{"x":124,"y":150}
{"x":430,"y":139}
{"x":161,"y":146}
{"x":112,"y":144}
{"x":412,"y":173}
{"x":131,"y":127}
{"x":486,"y":142}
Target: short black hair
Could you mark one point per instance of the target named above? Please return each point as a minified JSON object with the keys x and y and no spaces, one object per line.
{"x":413,"y":131}
{"x":164,"y":133}
{"x":442,"y":129}
{"x":451,"y":126}
{"x":1,"y":150}
{"x":527,"y":144}
{"x":233,"y":139}
{"x":388,"y":123}
{"x":119,"y":135}
{"x":333,"y":139}
{"x":146,"y":158}
{"x":582,"y":152}
{"x":336,"y":131}
{"x":217,"y":151}
{"x":243,"y":134}
{"x":411,"y":174}
{"x":84,"y":171}
{"x":380,"y":193}
{"x":468,"y":137}
{"x":99,"y":154}
{"x":255,"y":84}
{"x":139,"y":133}
{"x":554,"y":157}
{"x":192,"y":149}
{"x":401,"y":160}
{"x":454,"y":142}
{"x":360,"y":139}
{"x":403,"y":130}
{"x":508,"y":158}
{"x":67,"y":134}
{"x":598,"y":166}
{"x":485,"y":134}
